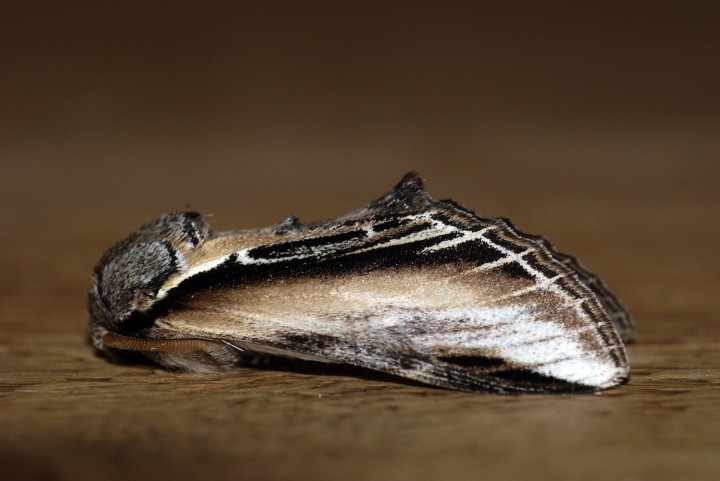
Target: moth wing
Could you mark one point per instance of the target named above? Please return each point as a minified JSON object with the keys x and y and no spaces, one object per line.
{"x":433,"y":325}
{"x":408,"y":285}
{"x":409,"y":198}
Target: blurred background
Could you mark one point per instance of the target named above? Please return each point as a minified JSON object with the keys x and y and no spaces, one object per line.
{"x":593,"y":123}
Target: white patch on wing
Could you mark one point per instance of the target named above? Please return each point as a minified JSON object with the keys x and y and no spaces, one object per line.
{"x":517,"y":335}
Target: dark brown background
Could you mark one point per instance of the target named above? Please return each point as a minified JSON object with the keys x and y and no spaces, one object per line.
{"x":597,"y":125}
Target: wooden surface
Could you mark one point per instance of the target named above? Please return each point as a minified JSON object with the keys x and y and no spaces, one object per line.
{"x":597,"y":128}
{"x":67,"y":414}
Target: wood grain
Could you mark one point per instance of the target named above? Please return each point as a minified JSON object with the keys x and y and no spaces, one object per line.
{"x":596,"y":127}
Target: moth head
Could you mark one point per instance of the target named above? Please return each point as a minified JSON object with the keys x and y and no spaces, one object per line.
{"x":127,"y":278}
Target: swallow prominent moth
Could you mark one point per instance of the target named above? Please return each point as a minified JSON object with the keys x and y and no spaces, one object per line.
{"x":407,"y":285}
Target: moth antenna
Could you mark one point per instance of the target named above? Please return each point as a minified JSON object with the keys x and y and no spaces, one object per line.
{"x":126,"y":343}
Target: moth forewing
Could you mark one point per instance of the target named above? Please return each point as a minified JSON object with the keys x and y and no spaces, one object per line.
{"x":408,"y":285}
{"x":422,"y":320}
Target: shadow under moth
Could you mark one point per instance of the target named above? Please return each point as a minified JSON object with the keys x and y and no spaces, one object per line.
{"x":408,"y":285}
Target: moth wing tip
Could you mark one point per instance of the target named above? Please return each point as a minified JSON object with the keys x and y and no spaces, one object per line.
{"x":611,"y":378}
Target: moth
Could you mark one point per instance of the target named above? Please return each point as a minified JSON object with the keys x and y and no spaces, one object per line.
{"x":407,"y":285}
